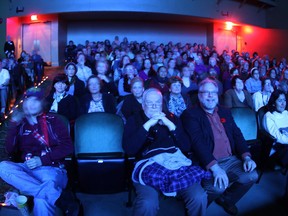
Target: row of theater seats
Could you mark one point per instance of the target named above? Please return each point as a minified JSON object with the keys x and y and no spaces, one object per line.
{"x":101,"y":166}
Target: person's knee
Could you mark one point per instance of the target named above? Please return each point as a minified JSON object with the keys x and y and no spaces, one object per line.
{"x":247,"y":177}
{"x":146,"y":202}
{"x":196,"y":194}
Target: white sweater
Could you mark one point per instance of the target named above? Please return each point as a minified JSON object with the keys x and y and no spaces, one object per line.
{"x":272,"y":123}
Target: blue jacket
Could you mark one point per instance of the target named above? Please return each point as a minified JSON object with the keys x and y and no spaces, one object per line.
{"x":198,"y":128}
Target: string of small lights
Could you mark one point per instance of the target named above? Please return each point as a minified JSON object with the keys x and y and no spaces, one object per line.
{"x":16,"y":105}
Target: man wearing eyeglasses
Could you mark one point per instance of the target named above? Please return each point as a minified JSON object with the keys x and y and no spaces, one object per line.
{"x":220,"y":147}
{"x":150,"y":133}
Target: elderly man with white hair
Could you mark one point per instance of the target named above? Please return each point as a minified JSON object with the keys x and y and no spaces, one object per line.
{"x":158,"y":140}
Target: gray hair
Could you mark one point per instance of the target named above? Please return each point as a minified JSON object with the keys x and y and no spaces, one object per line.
{"x":206,"y":81}
{"x":147,"y":91}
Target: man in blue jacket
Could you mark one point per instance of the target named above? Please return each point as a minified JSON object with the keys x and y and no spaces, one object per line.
{"x":220,"y":147}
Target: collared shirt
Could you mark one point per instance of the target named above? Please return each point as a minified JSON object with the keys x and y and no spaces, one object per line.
{"x":222,"y":146}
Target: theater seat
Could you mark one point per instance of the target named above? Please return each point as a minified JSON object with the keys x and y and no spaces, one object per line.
{"x":245,"y":119}
{"x":99,"y":155}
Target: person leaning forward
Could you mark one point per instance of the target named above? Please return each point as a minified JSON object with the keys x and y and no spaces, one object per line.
{"x":152,"y":135}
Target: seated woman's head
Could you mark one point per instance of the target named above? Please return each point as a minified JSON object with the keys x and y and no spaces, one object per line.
{"x":94,"y":84}
{"x":237,"y":83}
{"x":130,"y":71}
{"x":70,"y":69}
{"x":186,"y":72}
{"x":60,"y":83}
{"x":162,"y":72}
{"x":267,"y":85}
{"x":137,"y":87}
{"x":234,"y":71}
{"x":101,"y":67}
{"x":175,"y":84}
{"x":277,"y":101}
{"x":255,"y":73}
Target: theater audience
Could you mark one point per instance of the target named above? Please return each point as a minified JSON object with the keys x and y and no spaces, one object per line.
{"x":108,"y":85}
{"x":275,"y":122}
{"x":59,"y":101}
{"x":174,"y":101}
{"x":237,"y":96}
{"x":4,"y":82}
{"x":83,"y":72}
{"x":147,"y":72}
{"x":253,"y":84}
{"x":220,"y":147}
{"x":272,"y":74}
{"x":132,"y":103}
{"x":188,"y":84}
{"x":129,"y":73}
{"x":42,"y":141}
{"x":227,"y":79}
{"x":94,"y":100}
{"x":118,"y":72}
{"x":76,"y":86}
{"x":160,"y":81}
{"x":171,"y":68}
{"x":262,"y":97}
{"x":154,"y":133}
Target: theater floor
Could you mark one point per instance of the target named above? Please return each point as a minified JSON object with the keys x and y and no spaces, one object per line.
{"x":262,"y":199}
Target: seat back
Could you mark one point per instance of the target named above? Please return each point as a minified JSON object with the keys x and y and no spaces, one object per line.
{"x":98,"y":133}
{"x":245,"y":119}
{"x":260,"y":114}
{"x":100,"y":158}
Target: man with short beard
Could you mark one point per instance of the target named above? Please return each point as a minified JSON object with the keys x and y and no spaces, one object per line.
{"x":220,"y":147}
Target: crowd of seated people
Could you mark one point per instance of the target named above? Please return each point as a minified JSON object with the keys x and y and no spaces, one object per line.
{"x":18,"y":75}
{"x":117,"y":73}
{"x":168,"y":97}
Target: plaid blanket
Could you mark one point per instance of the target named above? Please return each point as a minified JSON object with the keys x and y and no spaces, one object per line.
{"x":169,"y":182}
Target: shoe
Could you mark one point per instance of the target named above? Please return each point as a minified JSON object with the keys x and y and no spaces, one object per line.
{"x":69,"y":204}
{"x":230,"y":209}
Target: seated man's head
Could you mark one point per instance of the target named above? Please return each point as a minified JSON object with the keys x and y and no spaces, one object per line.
{"x":152,"y":102}
{"x":208,"y":94}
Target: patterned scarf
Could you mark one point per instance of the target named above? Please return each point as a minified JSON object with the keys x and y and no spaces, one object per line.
{"x":176,"y":104}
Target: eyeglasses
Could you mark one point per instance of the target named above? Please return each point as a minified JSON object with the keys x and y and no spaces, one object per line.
{"x":150,"y":104}
{"x":206,"y":93}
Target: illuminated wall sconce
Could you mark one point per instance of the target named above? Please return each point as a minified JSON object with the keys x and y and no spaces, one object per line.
{"x":34,"y":17}
{"x":229,"y":26}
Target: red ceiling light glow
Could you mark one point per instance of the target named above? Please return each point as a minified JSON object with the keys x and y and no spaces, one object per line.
{"x":34,"y":17}
{"x":229,"y":26}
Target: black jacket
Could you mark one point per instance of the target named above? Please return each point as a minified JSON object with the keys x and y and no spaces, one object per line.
{"x":137,"y":141}
{"x":198,"y":128}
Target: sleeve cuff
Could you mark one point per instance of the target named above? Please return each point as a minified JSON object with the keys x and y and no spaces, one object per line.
{"x":211,"y":164}
{"x":245,"y":154}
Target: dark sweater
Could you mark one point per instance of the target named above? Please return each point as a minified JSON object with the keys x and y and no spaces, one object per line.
{"x":67,"y":106}
{"x":130,"y":106}
{"x":107,"y":99}
{"x":20,"y":139}
{"x":198,"y":128}
{"x":137,"y":141}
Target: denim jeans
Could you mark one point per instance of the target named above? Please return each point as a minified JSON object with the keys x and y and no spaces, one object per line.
{"x":44,"y":183}
{"x":147,"y":200}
